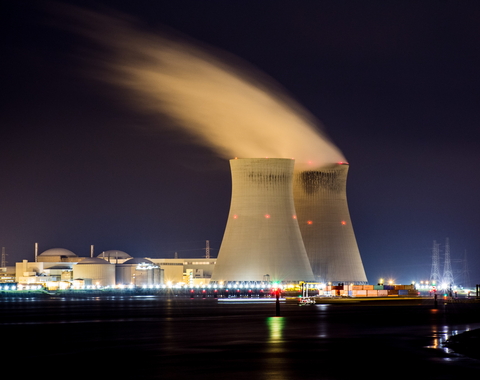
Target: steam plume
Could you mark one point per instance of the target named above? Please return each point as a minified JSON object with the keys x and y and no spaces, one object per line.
{"x":235,"y":111}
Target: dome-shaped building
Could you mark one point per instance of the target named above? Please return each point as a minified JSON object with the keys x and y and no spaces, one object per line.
{"x":95,"y":271}
{"x":115,"y":256}
{"x":138,"y":272}
{"x":58,"y":255}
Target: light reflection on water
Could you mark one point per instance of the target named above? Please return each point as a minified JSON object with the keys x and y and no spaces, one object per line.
{"x":441,"y":333}
{"x":275,"y":325}
{"x":275,"y":363}
{"x":323,"y":327}
{"x":184,"y":337}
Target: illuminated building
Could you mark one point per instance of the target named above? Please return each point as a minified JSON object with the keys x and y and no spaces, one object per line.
{"x":262,"y":240}
{"x":138,"y":272}
{"x":324,"y":220}
{"x":94,"y":271}
{"x":115,"y":256}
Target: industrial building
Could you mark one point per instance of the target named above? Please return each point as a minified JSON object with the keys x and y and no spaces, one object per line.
{"x":262,"y":240}
{"x":62,"y":268}
{"x":196,"y":271}
{"x":287,"y":225}
{"x":324,"y":219}
{"x":138,"y":272}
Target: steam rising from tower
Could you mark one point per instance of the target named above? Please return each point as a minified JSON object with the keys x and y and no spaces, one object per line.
{"x":236,"y":111}
{"x":217,"y":99}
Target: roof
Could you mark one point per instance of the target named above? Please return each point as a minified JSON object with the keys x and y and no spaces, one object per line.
{"x":138,"y":260}
{"x":114,"y":254}
{"x":58,"y":252}
{"x":93,"y":260}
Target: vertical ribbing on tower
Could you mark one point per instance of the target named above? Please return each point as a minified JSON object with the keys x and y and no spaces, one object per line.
{"x":324,"y":220}
{"x":447,"y":267}
{"x":435,"y":274}
{"x":262,"y":238}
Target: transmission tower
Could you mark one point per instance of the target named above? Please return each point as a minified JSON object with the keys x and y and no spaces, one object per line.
{"x":435,"y":274}
{"x":447,"y":268}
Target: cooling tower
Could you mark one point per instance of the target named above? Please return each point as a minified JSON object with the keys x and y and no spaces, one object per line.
{"x":324,"y":221}
{"x":262,"y":240}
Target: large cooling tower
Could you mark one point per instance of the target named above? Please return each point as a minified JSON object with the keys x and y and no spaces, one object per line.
{"x":324,"y":220}
{"x":262,"y":240}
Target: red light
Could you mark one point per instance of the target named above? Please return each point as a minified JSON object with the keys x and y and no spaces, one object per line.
{"x":294,"y":217}
{"x":343,"y":222}
{"x":267,"y":216}
{"x":235,"y":216}
{"x":309,"y":222}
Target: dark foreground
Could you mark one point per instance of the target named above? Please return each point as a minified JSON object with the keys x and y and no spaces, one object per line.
{"x":158,"y":338}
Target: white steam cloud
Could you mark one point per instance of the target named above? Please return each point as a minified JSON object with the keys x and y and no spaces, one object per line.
{"x":235,"y":111}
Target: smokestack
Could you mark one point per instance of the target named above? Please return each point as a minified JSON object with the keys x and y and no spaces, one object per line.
{"x":322,"y":211}
{"x":91,"y":250}
{"x":262,"y":240}
{"x":36,"y":252}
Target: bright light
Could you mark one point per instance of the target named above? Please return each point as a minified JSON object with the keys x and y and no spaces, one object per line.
{"x":344,"y":223}
{"x":309,"y":222}
{"x":267,"y":216}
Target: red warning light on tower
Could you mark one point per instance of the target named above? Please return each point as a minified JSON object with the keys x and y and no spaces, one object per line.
{"x":267,"y":216}
{"x":344,"y":223}
{"x":309,"y":222}
{"x":235,"y":216}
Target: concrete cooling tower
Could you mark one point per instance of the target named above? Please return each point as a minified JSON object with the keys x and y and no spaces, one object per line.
{"x":324,"y":220}
{"x":262,"y":239}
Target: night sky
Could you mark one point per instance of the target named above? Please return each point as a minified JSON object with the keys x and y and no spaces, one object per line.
{"x":395,"y":84}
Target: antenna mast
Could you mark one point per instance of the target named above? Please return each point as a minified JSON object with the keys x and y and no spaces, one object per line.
{"x":207,"y":249}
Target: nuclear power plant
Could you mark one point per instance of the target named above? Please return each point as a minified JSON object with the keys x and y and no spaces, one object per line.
{"x":287,"y":225}
{"x":262,"y":240}
{"x":322,"y":212}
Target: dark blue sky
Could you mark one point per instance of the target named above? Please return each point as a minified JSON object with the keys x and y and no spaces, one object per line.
{"x":396,"y":85}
